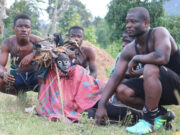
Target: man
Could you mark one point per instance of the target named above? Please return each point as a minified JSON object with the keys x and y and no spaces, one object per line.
{"x":153,"y":48}
{"x":125,"y":40}
{"x":86,"y":56}
{"x":20,"y":47}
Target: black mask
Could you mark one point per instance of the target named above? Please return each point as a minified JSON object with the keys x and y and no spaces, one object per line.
{"x":63,"y":63}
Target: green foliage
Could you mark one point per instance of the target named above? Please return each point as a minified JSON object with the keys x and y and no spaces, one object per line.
{"x":76,"y":20}
{"x":118,"y":10}
{"x":76,"y":14}
{"x":114,"y":48}
{"x":172,"y":23}
{"x":90,"y":34}
{"x":102,"y":32}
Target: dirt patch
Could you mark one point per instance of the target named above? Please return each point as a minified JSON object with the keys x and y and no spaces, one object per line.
{"x":103,"y":61}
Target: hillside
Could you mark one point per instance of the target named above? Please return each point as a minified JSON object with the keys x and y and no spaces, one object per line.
{"x":103,"y":60}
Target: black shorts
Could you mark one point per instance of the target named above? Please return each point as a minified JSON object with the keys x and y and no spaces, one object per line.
{"x":170,"y":81}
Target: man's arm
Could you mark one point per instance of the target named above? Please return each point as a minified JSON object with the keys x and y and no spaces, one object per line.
{"x":92,"y":62}
{"x":28,"y":58}
{"x":3,"y":61}
{"x":161,"y":53}
{"x":113,"y":83}
{"x":4,"y":53}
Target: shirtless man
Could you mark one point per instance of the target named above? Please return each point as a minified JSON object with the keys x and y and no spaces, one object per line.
{"x":20,"y":46}
{"x":86,"y":57}
{"x":157,"y":51}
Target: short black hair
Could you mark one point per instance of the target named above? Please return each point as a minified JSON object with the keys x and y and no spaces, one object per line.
{"x":125,"y":36}
{"x":142,"y":12}
{"x":21,"y":16}
{"x":76,"y":27}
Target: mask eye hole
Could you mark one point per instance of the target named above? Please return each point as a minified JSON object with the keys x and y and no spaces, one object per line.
{"x":59,"y":62}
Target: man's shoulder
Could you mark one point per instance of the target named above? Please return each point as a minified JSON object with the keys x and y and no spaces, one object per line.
{"x":9,"y":41}
{"x":129,"y":50}
{"x":35,"y":38}
{"x":87,"y":48}
{"x":160,"y":29}
{"x":130,"y":45}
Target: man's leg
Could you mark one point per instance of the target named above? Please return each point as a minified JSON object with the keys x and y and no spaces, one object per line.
{"x":170,"y":82}
{"x":153,"y":114}
{"x":128,"y":97}
{"x":153,"y":90}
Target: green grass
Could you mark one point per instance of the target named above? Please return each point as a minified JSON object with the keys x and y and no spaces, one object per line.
{"x":14,"y":121}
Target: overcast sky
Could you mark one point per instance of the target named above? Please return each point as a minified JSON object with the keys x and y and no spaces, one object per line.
{"x":96,"y":7}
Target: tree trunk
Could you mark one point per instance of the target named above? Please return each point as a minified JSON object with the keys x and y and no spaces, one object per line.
{"x":2,"y":16}
{"x":58,"y":12}
{"x":54,"y":19}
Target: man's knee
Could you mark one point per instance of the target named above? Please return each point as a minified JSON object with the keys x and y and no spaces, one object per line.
{"x":150,"y":70}
{"x":124,"y":92}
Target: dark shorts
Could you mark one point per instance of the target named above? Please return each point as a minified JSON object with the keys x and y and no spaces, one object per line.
{"x":26,"y":81}
{"x":170,"y":81}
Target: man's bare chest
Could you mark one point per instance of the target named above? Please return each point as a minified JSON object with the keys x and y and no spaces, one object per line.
{"x":21,"y":51}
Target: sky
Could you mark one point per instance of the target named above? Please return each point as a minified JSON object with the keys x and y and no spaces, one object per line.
{"x":96,"y":7}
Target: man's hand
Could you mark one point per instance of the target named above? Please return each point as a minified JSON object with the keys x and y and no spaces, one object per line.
{"x":132,"y":64}
{"x":7,"y":77}
{"x":101,"y":115}
{"x":26,"y":60}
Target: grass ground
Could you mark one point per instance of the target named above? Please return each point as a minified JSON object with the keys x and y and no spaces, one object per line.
{"x":14,"y":121}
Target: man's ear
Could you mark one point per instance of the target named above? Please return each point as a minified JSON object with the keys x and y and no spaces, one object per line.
{"x":31,"y":29}
{"x":147,"y":23}
{"x":13,"y":28}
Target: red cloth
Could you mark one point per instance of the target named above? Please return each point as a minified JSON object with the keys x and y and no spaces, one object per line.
{"x":80,"y":92}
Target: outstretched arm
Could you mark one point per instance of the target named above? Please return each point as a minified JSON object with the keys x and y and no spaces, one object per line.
{"x":112,"y":85}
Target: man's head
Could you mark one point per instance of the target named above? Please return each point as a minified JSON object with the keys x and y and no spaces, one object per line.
{"x":22,"y":26}
{"x":126,"y":39}
{"x":63,"y":63}
{"x":137,"y":21}
{"x":76,"y":33}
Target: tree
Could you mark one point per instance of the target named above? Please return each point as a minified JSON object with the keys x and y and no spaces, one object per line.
{"x":118,"y":10}
{"x":2,"y":16}
{"x":102,"y":31}
{"x":76,"y":14}
{"x":172,"y":23}
{"x":56,"y":10}
{"x":23,"y":6}
{"x":89,"y":34}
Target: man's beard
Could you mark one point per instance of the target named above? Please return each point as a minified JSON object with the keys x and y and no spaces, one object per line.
{"x":138,"y":34}
{"x":23,"y":40}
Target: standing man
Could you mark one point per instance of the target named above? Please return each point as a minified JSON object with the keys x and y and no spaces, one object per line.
{"x":20,"y":46}
{"x":157,"y":51}
{"x":86,"y":55}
